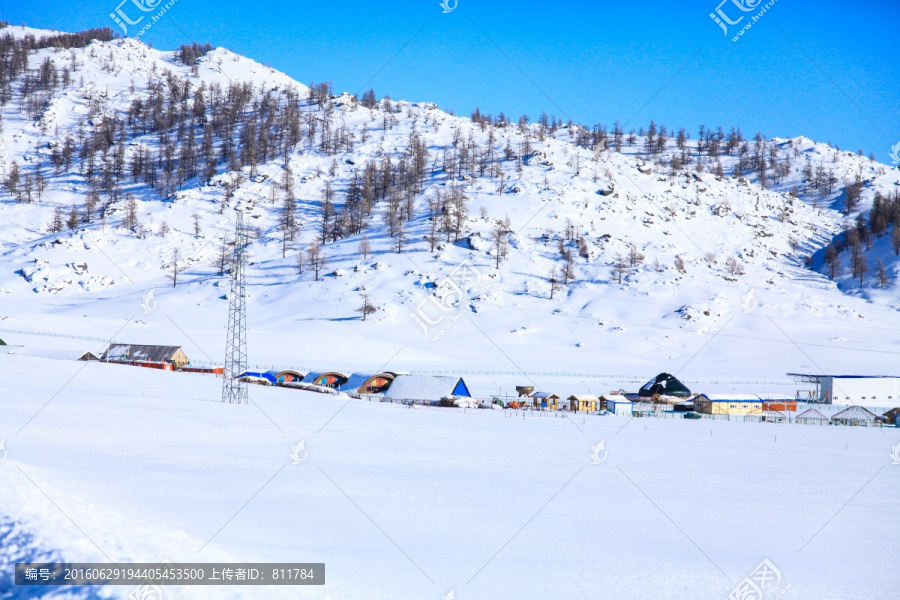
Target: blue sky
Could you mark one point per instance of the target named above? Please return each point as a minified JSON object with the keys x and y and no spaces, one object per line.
{"x":826,"y":69}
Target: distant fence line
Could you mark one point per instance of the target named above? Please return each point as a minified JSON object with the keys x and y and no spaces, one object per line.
{"x":59,"y":335}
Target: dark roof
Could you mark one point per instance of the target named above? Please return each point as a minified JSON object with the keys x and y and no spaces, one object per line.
{"x":128,"y":352}
{"x":664,"y":385}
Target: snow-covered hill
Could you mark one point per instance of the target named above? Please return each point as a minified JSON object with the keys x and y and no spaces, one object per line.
{"x":666,"y":260}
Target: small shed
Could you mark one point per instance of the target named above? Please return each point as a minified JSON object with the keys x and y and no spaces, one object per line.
{"x":547,"y":400}
{"x":811,"y":417}
{"x":330,"y":379}
{"x":427,"y":388}
{"x":855,"y":415}
{"x":583,"y":403}
{"x":891,"y":415}
{"x":619,"y":406}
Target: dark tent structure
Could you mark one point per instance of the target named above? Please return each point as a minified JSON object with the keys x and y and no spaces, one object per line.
{"x":664,"y":385}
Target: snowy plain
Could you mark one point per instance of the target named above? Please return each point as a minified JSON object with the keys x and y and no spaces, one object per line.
{"x":414,"y":503}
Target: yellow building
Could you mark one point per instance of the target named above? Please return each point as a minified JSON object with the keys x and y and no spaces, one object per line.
{"x":727,"y":404}
{"x":583,"y":403}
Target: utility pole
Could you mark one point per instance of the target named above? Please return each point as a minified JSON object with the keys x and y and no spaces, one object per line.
{"x":234,"y":390}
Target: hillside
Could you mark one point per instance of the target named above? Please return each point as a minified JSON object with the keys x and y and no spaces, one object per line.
{"x":129,"y":163}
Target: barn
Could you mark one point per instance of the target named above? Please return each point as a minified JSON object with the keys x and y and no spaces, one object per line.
{"x":427,"y":388}
{"x":143,"y":353}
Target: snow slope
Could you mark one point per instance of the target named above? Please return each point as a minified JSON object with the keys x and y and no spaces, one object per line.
{"x":90,"y":281}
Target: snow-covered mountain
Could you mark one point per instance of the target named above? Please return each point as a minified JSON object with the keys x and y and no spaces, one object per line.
{"x":661,"y":263}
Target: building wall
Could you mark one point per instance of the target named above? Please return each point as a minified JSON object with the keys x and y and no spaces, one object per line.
{"x":737,"y":407}
{"x":863,"y":391}
{"x":179,"y":358}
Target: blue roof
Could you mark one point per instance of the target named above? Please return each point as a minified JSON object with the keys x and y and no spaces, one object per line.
{"x":268,"y":375}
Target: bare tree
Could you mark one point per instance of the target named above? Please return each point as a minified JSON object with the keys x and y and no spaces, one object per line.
{"x":883,"y":278}
{"x":635,"y":256}
{"x":555,"y":284}
{"x":301,"y":261}
{"x":196,"y":218}
{"x":501,"y":244}
{"x":621,"y":266}
{"x":366,"y":308}
{"x":679,"y":265}
{"x":365,"y":247}
{"x":175,"y":267}
{"x":734,"y":266}
{"x":316,"y":258}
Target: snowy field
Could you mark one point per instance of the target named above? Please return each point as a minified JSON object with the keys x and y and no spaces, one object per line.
{"x":127,"y":464}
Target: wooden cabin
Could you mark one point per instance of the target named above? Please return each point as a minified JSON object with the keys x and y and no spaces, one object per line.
{"x":547,"y":400}
{"x":583,"y":403}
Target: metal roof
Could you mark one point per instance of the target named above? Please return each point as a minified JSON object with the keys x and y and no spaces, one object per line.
{"x":148,"y":353}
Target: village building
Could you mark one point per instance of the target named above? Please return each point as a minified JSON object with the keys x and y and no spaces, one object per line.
{"x":288,"y":376}
{"x":330,"y":379}
{"x":811,"y":416}
{"x":547,"y":400}
{"x":145,"y":355}
{"x":617,"y":404}
{"x":849,"y":390}
{"x":583,"y":403}
{"x":368,"y":384}
{"x":856,"y":416}
{"x":426,"y":388}
{"x":727,"y":404}
{"x":664,"y":385}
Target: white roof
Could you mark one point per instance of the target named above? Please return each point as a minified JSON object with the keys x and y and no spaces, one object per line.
{"x":616,"y":398}
{"x":733,"y":397}
{"x":421,"y":387}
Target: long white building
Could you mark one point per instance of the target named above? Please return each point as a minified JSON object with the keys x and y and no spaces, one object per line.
{"x":862,"y":390}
